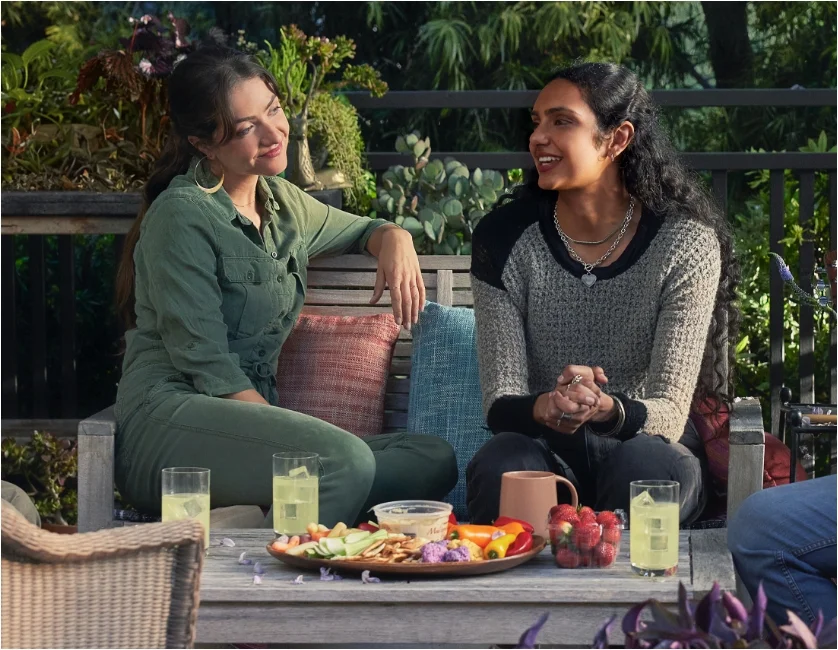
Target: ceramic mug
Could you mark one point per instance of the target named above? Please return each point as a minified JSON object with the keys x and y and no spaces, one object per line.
{"x":530,"y":495}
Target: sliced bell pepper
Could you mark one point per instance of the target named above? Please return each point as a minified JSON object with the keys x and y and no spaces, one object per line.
{"x":452,"y":521}
{"x":368,"y":526}
{"x":502,"y":521}
{"x":522,"y":544}
{"x":497,"y":548}
{"x":513,"y":528}
{"x":480,"y":535}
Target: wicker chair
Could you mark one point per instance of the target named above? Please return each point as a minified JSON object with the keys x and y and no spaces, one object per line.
{"x":134,"y":587}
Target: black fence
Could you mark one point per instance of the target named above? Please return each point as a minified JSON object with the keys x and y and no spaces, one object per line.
{"x":40,"y":379}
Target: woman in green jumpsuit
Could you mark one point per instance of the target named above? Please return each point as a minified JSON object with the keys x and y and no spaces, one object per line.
{"x":211,"y":284}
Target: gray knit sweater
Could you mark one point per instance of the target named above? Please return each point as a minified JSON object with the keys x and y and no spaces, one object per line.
{"x":645,"y":320}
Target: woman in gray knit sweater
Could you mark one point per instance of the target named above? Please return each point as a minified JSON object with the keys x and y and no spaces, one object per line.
{"x":601,"y":290}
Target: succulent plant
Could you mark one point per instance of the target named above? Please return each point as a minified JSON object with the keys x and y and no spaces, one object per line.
{"x":439,"y":202}
{"x":719,"y":620}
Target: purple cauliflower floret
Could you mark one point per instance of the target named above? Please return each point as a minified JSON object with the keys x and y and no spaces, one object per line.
{"x":434,"y":551}
{"x":460,"y":554}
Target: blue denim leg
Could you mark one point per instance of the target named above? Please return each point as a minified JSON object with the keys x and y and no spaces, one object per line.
{"x":785,"y":537}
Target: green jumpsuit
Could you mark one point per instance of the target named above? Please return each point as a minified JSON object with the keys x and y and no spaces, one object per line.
{"x":215,"y":301}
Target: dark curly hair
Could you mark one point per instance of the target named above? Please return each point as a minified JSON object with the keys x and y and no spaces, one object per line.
{"x":653,"y":172}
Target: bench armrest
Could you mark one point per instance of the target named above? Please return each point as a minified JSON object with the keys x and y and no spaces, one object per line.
{"x":96,"y":463}
{"x":745,"y":467}
{"x":747,"y":452}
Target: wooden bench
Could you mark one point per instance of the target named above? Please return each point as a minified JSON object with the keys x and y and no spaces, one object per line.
{"x":343,"y":285}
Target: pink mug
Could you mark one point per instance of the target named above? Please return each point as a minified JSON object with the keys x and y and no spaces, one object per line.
{"x":530,"y":495}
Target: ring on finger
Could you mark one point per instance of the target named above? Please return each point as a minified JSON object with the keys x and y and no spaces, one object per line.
{"x":563,"y":416}
{"x":576,"y":380}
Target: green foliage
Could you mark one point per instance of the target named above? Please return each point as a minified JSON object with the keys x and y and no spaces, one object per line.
{"x":301,"y":65}
{"x":752,"y":245}
{"x":46,"y":469}
{"x":438,"y":202}
{"x":334,"y":130}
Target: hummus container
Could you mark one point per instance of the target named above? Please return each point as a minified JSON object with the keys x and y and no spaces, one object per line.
{"x":425,"y":519}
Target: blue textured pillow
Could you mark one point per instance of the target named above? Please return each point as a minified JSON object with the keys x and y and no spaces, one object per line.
{"x":445,"y":398}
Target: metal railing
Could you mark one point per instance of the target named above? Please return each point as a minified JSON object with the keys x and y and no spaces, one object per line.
{"x":67,"y":214}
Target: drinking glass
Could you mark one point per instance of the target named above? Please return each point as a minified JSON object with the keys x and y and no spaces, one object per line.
{"x":296,"y":484}
{"x":186,"y":495}
{"x":653,"y":519}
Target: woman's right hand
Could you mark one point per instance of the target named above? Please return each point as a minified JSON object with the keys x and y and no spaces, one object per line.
{"x":570,"y":405}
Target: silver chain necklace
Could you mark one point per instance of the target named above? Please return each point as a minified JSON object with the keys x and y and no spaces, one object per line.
{"x":582,"y":242}
{"x":589,"y":278}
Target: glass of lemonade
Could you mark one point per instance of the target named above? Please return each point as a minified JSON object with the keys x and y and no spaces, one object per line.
{"x":186,"y":495}
{"x":296,"y":491}
{"x":653,"y":521}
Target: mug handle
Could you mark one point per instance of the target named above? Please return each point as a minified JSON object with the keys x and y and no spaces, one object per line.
{"x":574,"y":497}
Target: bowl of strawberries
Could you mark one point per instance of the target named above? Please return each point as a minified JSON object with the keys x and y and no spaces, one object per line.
{"x":580,"y":537}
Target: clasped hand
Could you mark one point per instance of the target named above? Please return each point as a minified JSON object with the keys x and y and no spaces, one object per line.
{"x":573,"y":403}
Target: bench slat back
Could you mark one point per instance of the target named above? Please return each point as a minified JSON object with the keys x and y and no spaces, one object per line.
{"x":342,"y":286}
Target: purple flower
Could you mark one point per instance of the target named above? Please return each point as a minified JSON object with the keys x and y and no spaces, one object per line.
{"x":326,"y":574}
{"x":367,"y":579}
{"x":145,"y":67}
{"x":244,"y":561}
{"x":257,"y":580}
{"x":297,"y":581}
{"x":227,"y":542}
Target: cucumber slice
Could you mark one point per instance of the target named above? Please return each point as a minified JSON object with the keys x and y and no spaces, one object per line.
{"x":334,"y":545}
{"x":356,"y":537}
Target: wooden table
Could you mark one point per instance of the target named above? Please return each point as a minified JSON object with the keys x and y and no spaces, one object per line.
{"x":480,"y":610}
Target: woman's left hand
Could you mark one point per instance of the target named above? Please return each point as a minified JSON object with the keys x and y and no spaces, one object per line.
{"x":398,"y":269}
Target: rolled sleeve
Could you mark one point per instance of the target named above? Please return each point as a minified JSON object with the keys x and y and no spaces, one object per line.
{"x":177,"y":257}
{"x":328,"y":231}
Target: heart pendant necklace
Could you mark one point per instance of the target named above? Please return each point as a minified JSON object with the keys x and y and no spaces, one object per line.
{"x":588,"y":279}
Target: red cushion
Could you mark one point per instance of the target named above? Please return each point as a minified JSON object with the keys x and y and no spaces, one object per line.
{"x":335,"y":368}
{"x":715,"y":431}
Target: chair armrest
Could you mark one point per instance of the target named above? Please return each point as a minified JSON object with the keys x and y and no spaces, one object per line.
{"x":96,"y":462}
{"x":24,"y":540}
{"x":747,"y":452}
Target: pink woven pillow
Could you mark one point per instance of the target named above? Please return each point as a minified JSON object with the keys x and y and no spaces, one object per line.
{"x":335,"y":368}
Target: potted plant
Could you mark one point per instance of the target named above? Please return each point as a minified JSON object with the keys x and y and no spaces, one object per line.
{"x":301,"y":65}
{"x":46,"y":469}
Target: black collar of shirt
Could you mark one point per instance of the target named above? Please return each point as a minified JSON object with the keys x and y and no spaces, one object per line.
{"x":648,"y":227}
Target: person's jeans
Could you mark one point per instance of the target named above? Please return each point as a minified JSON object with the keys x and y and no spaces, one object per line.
{"x":785,"y":537}
{"x":600,"y":468}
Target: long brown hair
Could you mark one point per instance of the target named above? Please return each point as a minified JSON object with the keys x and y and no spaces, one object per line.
{"x":198,"y":90}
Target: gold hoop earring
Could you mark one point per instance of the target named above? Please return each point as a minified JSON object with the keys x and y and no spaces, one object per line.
{"x":208,"y":190}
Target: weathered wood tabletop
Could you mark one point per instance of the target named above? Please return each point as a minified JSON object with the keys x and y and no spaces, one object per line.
{"x":480,"y":610}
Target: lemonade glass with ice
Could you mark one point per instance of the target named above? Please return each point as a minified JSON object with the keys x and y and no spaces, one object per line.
{"x":186,"y":495}
{"x":653,"y":532}
{"x":296,"y":485}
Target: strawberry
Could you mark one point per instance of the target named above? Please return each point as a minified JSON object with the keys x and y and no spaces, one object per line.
{"x":608,"y":518}
{"x":573,"y":519}
{"x":604,"y":554}
{"x":611,"y":535}
{"x":585,"y":559}
{"x":567,"y":558}
{"x":586,"y":536}
{"x":584,"y":511}
{"x":561,"y":512}
{"x":587,"y":518}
